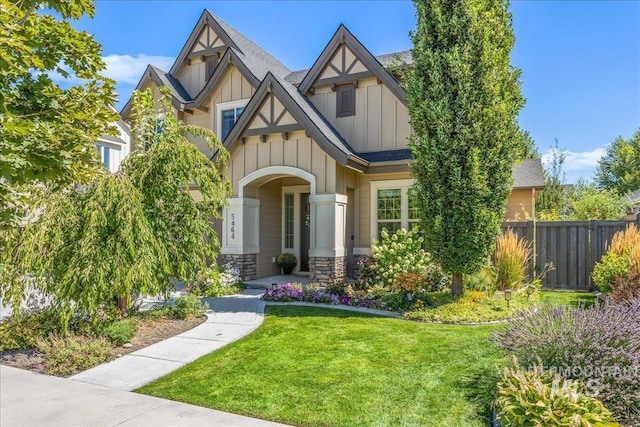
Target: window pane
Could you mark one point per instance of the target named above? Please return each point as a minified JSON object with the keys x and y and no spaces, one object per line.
{"x":228,"y":119}
{"x":288,"y":221}
{"x":389,"y":204}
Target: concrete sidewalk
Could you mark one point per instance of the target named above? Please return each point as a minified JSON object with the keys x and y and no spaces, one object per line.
{"x":30,"y":399}
{"x":229,"y":319}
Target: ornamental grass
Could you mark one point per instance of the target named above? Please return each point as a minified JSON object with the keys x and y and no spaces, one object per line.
{"x":511,"y":260}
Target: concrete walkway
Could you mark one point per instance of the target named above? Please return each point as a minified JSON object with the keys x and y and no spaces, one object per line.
{"x":30,"y":399}
{"x":229,"y":319}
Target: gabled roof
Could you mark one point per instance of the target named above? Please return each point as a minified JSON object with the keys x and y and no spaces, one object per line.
{"x":528,"y":174}
{"x":231,"y":56}
{"x":387,"y":60}
{"x":305,"y":114}
{"x":257,"y":59}
{"x":160,"y":78}
{"x":344,"y":36}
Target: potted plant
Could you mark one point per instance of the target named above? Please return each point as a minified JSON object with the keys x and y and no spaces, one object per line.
{"x":287,"y":262}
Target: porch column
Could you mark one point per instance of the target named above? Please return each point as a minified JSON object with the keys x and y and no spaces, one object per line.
{"x":240,"y":235}
{"x":327,"y":252}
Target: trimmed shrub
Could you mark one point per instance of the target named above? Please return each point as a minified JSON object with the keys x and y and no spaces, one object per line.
{"x":188,"y":306}
{"x":610,"y":266}
{"x":599,"y":346}
{"x":539,"y":398}
{"x":511,"y":260}
{"x":120,"y":331}
{"x":622,"y":259}
{"x":66,"y":355}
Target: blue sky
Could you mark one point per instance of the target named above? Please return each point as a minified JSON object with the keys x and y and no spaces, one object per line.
{"x":580,"y":59}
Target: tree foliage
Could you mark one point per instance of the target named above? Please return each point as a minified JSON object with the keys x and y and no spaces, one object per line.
{"x":464,"y":98}
{"x":126,"y":233}
{"x":47,"y":131}
{"x":553,"y":202}
{"x":619,"y":169}
{"x":589,"y":202}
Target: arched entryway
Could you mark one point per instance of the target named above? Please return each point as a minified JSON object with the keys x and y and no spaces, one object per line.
{"x":278,"y":210}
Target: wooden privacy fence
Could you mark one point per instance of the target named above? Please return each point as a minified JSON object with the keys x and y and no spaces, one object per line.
{"x":574,"y":247}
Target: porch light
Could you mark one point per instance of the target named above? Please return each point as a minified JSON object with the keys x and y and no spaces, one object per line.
{"x":507,"y":296}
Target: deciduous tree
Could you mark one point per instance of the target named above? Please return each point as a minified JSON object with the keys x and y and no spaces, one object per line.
{"x":464,"y":98}
{"x":619,"y":169}
{"x":129,"y":233}
{"x":48,"y":131}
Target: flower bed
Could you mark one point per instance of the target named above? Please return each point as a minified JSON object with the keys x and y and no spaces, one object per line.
{"x":291,"y":292}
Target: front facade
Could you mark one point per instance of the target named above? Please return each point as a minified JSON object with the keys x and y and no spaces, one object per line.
{"x":319,"y":157}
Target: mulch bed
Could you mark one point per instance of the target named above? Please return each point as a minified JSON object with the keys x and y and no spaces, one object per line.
{"x":149,"y":332}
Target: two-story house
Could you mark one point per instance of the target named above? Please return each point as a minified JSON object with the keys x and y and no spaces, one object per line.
{"x":319,"y":157}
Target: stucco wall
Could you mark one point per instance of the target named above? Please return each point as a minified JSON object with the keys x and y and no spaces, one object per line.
{"x":520,"y":205}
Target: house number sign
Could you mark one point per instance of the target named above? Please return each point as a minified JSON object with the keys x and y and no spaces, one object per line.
{"x":233,"y":226}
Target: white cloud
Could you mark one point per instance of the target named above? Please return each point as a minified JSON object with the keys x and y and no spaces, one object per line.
{"x":129,"y":69}
{"x":121,"y":68}
{"x":577,"y":160}
{"x":577,"y":164}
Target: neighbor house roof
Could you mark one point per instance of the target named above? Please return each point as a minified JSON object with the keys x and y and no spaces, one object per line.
{"x":528,"y":174}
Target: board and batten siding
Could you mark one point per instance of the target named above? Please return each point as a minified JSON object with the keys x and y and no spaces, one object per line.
{"x":381,"y":121}
{"x":231,"y":87}
{"x":192,"y":77}
{"x":298,"y":151}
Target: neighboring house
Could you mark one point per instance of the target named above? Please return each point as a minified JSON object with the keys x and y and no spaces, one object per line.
{"x":528,"y":179}
{"x":114,"y":149}
{"x":319,"y":157}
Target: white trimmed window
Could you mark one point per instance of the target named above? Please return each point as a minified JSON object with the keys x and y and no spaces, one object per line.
{"x":228,"y":114}
{"x":393,"y":206}
{"x":105,"y":155}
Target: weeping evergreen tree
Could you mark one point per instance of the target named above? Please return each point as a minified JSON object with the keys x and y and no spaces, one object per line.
{"x":128,"y":233}
{"x":463,"y":99}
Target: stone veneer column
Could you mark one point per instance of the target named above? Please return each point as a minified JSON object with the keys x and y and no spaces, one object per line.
{"x":240,"y":235}
{"x":327,"y":251}
{"x":245,"y":263}
{"x":327,"y":269}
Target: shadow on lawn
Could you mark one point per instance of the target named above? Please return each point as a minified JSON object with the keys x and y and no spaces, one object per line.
{"x":480,"y":386}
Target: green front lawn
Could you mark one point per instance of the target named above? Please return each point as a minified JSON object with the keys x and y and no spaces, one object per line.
{"x":322,"y":367}
{"x":567,"y":298}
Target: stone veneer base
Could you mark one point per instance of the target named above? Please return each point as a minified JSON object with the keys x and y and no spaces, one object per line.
{"x":327,"y":269}
{"x":245,"y":263}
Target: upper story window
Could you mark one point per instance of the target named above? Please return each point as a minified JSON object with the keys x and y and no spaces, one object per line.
{"x":228,"y":114}
{"x":345,"y":100}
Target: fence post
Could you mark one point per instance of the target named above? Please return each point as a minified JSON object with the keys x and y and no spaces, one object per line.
{"x":530,"y":235}
{"x":593,"y":249}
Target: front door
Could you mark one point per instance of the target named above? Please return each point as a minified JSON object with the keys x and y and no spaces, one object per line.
{"x":305,"y":231}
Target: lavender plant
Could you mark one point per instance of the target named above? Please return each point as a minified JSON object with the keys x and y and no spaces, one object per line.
{"x":599,"y":345}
